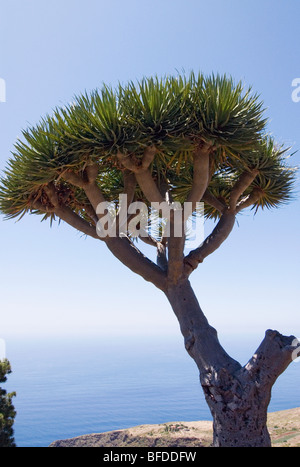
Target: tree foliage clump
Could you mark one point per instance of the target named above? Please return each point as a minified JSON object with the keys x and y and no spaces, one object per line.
{"x":7,"y":410}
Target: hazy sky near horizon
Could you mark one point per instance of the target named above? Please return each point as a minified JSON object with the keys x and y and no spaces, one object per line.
{"x":54,"y":282}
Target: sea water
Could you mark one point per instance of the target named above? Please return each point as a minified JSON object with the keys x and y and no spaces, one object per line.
{"x":69,"y":386}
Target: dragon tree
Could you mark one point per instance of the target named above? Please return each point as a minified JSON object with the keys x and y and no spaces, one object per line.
{"x":165,"y":142}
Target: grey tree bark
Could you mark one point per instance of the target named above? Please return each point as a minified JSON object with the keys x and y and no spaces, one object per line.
{"x":238,"y":397}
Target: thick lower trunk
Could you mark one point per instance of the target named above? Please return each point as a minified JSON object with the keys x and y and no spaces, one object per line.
{"x":245,"y":425}
{"x":238,"y":407}
{"x":238,"y":397}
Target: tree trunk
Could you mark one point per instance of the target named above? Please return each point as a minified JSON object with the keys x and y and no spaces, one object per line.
{"x":238,"y":397}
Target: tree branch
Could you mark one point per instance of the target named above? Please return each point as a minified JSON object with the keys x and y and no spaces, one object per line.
{"x":73,"y":178}
{"x":201,"y":178}
{"x":176,"y":248}
{"x":210,"y":199}
{"x":52,"y":194}
{"x":212,"y":242}
{"x":241,"y":186}
{"x":143,"y":174}
{"x":130,"y":256}
{"x":67,"y":215}
{"x":149,"y":187}
{"x":151,"y":192}
{"x":80,"y":182}
{"x":91,"y":171}
{"x":70,"y":217}
{"x":249,"y":200}
{"x":89,"y":184}
{"x":127,"y":162}
{"x":122,"y":219}
{"x":146,"y":238}
{"x":200,"y":174}
{"x":161,"y":259}
{"x":90,"y":212}
{"x":121,"y":247}
{"x":41,"y":207}
{"x":129,"y":185}
{"x":271,"y":358}
{"x":94,"y":195}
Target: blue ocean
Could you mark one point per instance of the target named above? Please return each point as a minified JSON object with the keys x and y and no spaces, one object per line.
{"x":69,"y":386}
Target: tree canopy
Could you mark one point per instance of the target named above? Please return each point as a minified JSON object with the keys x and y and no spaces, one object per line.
{"x":174,"y":114}
{"x":180,"y":138}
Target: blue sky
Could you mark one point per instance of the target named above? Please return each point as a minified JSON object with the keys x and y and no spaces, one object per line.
{"x":54,"y":282}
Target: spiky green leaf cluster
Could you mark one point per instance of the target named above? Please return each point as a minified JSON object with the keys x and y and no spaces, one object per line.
{"x":174,"y":114}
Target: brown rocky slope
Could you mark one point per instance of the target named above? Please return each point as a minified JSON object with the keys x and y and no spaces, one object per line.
{"x":284,"y":428}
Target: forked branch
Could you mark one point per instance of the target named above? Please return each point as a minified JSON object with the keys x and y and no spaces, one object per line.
{"x":87,"y":181}
{"x":143,"y":174}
